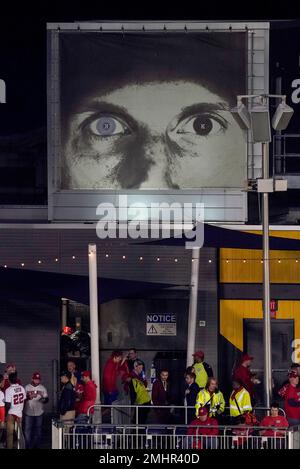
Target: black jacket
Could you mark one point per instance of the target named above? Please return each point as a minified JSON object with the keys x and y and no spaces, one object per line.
{"x":67,"y":399}
{"x":192,"y":395}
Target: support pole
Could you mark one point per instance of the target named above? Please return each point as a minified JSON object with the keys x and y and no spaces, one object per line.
{"x":266,"y":285}
{"x":192,"y":324}
{"x":64,"y":312}
{"x":94,"y":320}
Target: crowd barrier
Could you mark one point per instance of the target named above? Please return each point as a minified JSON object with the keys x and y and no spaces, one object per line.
{"x":102,"y":431}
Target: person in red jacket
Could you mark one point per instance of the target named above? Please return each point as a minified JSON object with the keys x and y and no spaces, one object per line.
{"x":242,"y":373}
{"x":202,"y":429}
{"x":88,"y":397}
{"x":10,"y":368}
{"x":292,"y":400}
{"x":113,"y":368}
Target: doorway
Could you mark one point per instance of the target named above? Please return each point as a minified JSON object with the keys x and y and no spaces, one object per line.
{"x":282,"y":337}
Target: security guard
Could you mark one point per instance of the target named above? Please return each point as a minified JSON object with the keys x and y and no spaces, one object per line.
{"x":203,"y":371}
{"x":138,"y":391}
{"x":211,"y":398}
{"x":239,"y":401}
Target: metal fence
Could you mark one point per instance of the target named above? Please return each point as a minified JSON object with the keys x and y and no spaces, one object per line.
{"x":125,"y":414}
{"x":149,"y":437}
{"x":97,"y":434}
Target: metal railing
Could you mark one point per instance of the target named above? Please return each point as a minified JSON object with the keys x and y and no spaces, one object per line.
{"x":122,"y":414}
{"x":110,"y":434}
{"x":171,"y":437}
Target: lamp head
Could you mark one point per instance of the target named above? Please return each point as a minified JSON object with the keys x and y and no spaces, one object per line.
{"x":282,"y":116}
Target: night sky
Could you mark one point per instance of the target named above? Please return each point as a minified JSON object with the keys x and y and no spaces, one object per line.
{"x":23,"y":45}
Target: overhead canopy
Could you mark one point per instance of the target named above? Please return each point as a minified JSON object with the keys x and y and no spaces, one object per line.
{"x":16,"y":283}
{"x":219,"y":237}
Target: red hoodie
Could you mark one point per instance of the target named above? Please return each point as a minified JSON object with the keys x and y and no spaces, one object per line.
{"x":195,"y":428}
{"x":88,"y":397}
{"x":292,"y":402}
{"x":110,"y":374}
{"x":243,"y":374}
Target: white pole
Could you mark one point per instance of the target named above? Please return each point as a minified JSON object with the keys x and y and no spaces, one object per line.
{"x":94,"y":321}
{"x":192,"y":324}
{"x":267,"y":340}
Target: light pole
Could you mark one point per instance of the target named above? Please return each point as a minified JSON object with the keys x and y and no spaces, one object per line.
{"x":94,"y":319}
{"x":257,"y":119}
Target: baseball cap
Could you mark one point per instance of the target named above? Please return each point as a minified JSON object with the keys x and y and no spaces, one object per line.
{"x":86,"y":373}
{"x":199,"y":354}
{"x":246,"y":357}
{"x":203,"y":411}
{"x":36,"y":375}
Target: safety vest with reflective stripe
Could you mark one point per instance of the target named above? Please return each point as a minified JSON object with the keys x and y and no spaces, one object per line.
{"x":201,"y":375}
{"x":204,"y":397}
{"x":142,"y":395}
{"x":244,"y":403}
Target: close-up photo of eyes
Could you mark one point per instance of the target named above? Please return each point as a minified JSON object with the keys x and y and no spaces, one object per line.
{"x":151,"y":127}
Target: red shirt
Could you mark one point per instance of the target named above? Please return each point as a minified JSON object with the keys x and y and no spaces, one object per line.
{"x":292,"y":393}
{"x":88,"y":398}
{"x":209,"y":422}
{"x":110,"y":374}
{"x":277,"y":422}
{"x":243,"y":374}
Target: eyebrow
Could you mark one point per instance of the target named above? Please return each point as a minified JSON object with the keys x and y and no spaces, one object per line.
{"x":103,"y":107}
{"x":202,"y":108}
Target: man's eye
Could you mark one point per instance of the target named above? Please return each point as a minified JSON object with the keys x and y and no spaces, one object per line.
{"x":107,"y":126}
{"x":202,"y":125}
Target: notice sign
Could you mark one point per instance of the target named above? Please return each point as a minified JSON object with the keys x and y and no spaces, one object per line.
{"x":161,"y":324}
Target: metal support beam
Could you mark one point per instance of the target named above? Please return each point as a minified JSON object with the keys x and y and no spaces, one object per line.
{"x":94,"y":319}
{"x":192,"y":322}
{"x":64,"y":312}
{"x":266,"y":285}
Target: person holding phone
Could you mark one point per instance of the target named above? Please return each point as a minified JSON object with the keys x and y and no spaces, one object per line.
{"x":36,"y":397}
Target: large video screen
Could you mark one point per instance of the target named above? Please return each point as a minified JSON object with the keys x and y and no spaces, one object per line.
{"x":151,"y":111}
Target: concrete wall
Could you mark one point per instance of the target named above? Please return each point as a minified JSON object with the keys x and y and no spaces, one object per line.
{"x":30,"y":330}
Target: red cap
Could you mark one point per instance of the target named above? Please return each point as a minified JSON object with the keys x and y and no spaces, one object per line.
{"x":86,"y":373}
{"x":203,"y":411}
{"x":36,"y":376}
{"x":67,"y":330}
{"x":246,"y":357}
{"x":199,"y":354}
{"x":293,"y":374}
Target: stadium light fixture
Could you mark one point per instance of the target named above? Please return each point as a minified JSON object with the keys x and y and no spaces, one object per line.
{"x":241,"y":115}
{"x":260,"y":123}
{"x":282,"y":116}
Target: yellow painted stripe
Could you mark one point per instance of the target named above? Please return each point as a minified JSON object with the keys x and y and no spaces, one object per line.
{"x":233,"y":312}
{"x":283,"y":266}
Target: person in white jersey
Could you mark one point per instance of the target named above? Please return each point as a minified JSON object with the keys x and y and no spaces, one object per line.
{"x":2,"y":408}
{"x":37,"y":396}
{"x":15,"y":397}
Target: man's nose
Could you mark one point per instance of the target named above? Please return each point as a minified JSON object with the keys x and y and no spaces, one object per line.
{"x":158,"y":154}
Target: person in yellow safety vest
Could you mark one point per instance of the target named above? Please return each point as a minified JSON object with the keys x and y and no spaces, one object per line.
{"x":211,"y":398}
{"x":239,"y":401}
{"x":203,"y":370}
{"x":138,"y":391}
